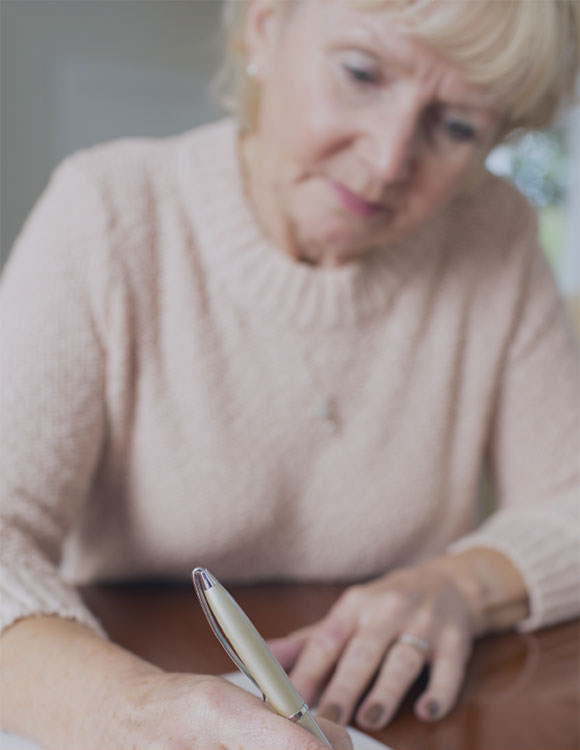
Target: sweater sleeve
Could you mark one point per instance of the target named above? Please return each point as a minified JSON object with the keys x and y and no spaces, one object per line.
{"x":51,"y":394}
{"x":535,"y":450}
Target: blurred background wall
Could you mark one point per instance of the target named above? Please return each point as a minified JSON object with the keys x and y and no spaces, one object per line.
{"x":79,"y":72}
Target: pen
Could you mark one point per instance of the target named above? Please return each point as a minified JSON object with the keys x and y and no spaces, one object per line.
{"x":249,"y":651}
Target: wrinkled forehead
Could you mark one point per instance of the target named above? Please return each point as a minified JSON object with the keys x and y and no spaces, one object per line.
{"x":489,"y":41}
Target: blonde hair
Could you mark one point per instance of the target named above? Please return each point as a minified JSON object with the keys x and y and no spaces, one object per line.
{"x":527,"y":52}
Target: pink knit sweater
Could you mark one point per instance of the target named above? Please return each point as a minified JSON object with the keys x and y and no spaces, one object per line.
{"x":165,"y":368}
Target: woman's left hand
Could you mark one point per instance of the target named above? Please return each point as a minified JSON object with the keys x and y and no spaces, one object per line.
{"x":360,"y":643}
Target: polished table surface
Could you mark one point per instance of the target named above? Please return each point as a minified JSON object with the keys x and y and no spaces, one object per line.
{"x":521,"y":691}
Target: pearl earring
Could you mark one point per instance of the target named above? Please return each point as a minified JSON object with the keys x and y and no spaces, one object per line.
{"x":252,"y":69}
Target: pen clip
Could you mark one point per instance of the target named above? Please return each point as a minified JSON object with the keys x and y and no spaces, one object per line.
{"x":217,"y":631}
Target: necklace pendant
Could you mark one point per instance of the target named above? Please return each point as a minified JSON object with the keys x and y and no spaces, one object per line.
{"x":326,"y":414}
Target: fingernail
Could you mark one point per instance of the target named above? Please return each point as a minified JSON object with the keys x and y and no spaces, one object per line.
{"x":332,"y":712}
{"x":374,"y":714}
{"x":433,"y":709}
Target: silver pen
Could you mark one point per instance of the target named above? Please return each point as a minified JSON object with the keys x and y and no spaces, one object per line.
{"x":249,"y":652}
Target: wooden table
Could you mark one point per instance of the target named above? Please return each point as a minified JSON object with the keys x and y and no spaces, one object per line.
{"x":521,"y":692}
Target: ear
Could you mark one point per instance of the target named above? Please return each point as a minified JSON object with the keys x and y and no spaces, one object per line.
{"x":260,"y":33}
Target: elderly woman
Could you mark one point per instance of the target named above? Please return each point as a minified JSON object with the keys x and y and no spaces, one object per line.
{"x":283,"y":346}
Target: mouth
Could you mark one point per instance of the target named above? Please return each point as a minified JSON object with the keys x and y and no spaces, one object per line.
{"x":355,"y":203}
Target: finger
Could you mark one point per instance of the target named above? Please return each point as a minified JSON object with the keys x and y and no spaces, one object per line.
{"x":337,"y":736}
{"x":447,"y":673}
{"x":355,"y":670}
{"x":288,"y":648}
{"x":319,"y":656}
{"x":401,"y":668}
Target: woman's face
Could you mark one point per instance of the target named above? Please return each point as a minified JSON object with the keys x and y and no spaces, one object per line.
{"x":363,"y":132}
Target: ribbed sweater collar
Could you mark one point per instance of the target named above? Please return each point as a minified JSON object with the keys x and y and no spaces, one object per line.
{"x":256,"y":273}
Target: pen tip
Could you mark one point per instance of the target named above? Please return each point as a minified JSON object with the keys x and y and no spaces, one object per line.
{"x":203,"y":578}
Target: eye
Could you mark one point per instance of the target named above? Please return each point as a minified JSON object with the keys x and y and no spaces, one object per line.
{"x":360,"y":75}
{"x":458,"y":130}
{"x":452,"y":128}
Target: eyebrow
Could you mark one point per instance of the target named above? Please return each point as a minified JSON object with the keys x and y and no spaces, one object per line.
{"x":366,"y":35}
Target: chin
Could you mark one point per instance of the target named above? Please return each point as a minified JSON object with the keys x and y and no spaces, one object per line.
{"x":325,"y":252}
{"x":342,"y":238}
{"x":342,"y":235}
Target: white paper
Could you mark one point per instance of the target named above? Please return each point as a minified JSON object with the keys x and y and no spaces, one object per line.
{"x":15,"y":742}
{"x":360,"y":740}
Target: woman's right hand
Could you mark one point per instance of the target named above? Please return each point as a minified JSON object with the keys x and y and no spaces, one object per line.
{"x":168,"y":711}
{"x":66,"y":687}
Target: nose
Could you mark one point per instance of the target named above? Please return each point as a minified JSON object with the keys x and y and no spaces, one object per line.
{"x":390,"y":142}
